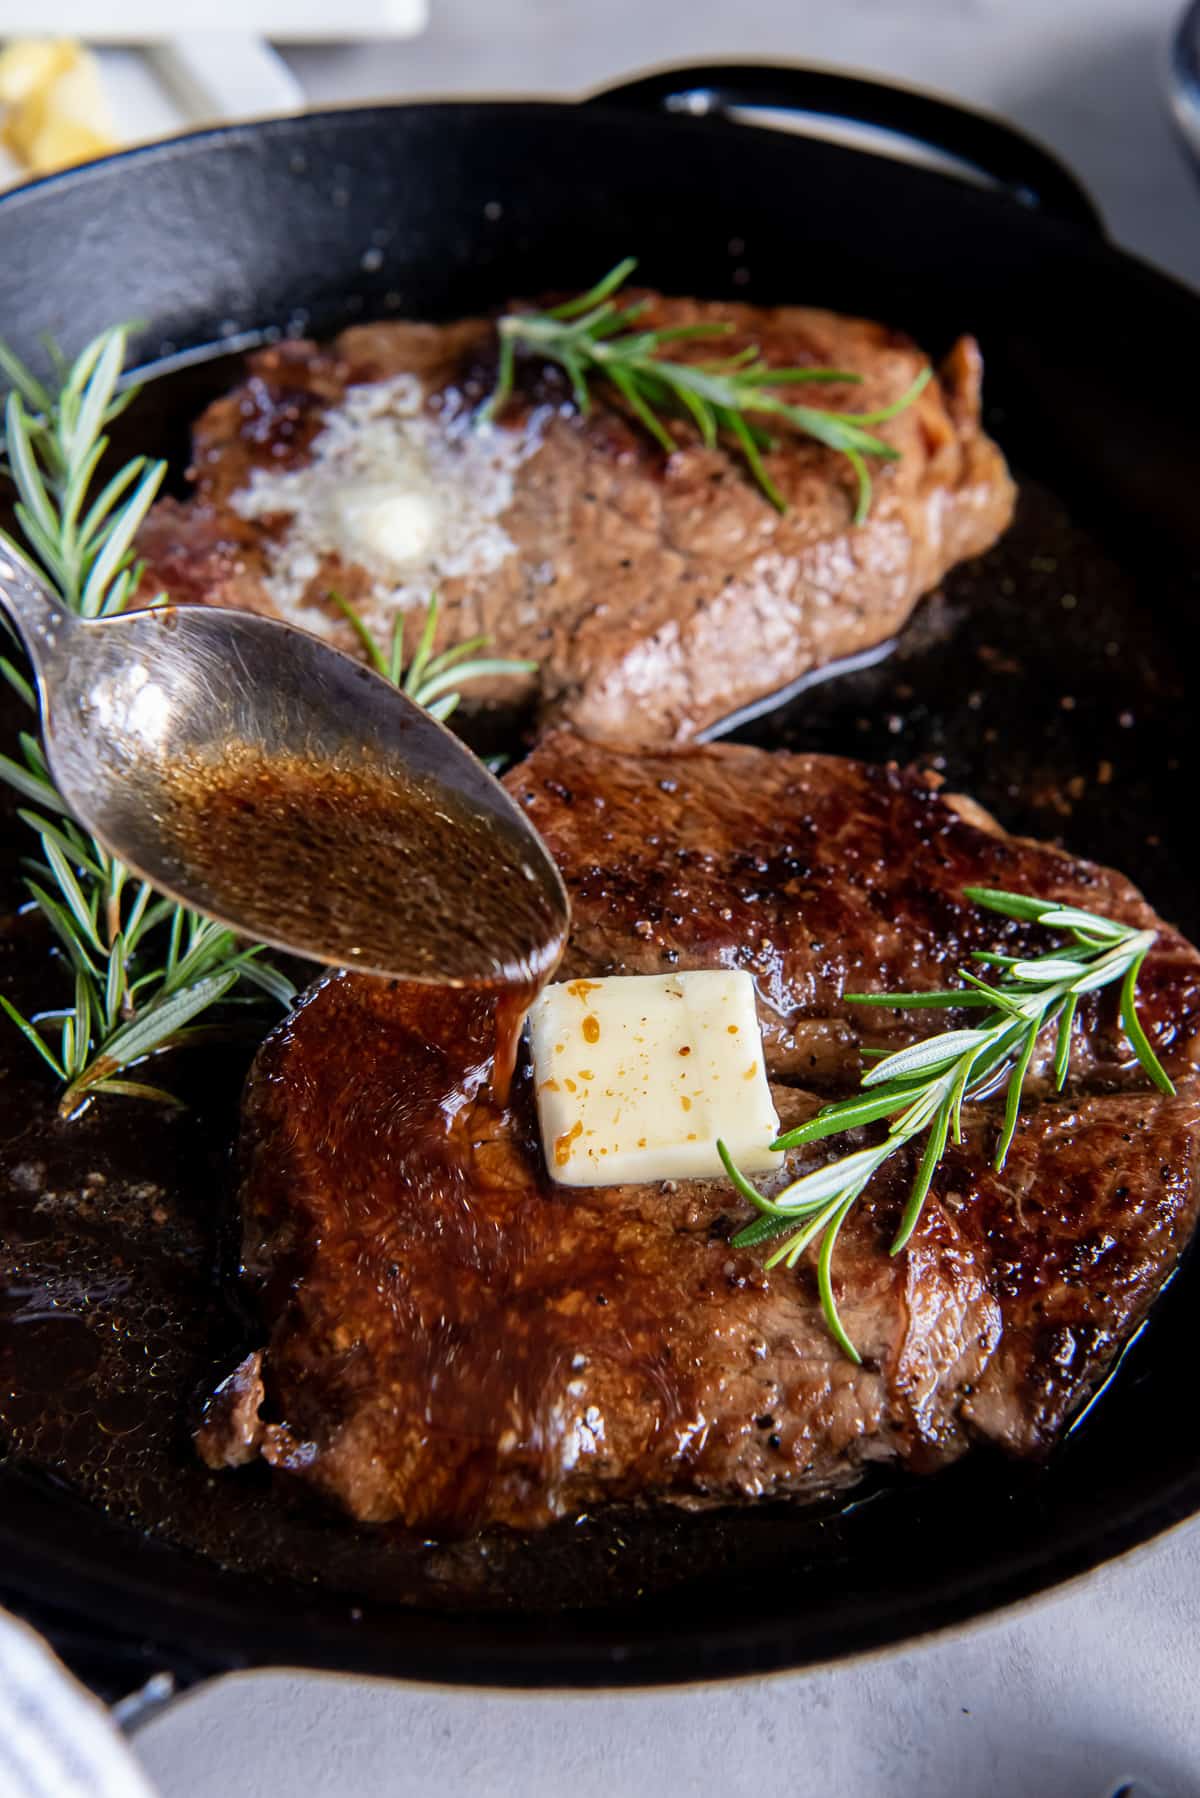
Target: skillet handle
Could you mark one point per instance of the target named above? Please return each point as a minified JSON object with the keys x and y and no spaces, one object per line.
{"x":983,"y":145}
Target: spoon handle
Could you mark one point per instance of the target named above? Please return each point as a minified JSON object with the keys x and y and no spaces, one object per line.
{"x":41,"y":620}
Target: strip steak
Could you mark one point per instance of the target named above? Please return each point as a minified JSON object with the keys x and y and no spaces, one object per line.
{"x":657,"y":595}
{"x":454,"y":1341}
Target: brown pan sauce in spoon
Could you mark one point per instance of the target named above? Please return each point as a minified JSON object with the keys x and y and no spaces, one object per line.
{"x":323,"y":838}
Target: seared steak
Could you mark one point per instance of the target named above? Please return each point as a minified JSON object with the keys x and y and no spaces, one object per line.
{"x":455,"y":1341}
{"x":656,"y":595}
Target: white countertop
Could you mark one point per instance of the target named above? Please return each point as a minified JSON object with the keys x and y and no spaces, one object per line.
{"x":1091,"y":1687}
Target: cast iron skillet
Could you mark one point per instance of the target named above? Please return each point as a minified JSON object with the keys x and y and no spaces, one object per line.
{"x":1054,"y":680}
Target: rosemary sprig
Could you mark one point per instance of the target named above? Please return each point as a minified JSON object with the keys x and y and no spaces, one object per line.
{"x":430,"y":681}
{"x":923,"y":1088}
{"x":144,"y":969}
{"x":590,"y":336}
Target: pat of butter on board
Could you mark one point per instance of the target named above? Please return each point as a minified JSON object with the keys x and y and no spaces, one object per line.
{"x":638,"y":1075}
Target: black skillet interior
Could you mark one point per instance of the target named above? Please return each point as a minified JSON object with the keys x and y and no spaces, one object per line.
{"x":1052,"y":680}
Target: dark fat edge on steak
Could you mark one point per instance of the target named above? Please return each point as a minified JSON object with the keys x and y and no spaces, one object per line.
{"x":656,"y":595}
{"x":453,"y":1341}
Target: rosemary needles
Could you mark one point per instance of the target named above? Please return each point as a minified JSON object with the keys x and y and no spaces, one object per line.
{"x":922,"y":1089}
{"x":141,"y":971}
{"x":432,"y":681}
{"x":598,"y":336}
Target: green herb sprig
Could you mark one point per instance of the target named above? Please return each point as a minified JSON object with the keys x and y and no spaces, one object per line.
{"x":144,"y":969}
{"x":431,"y":681}
{"x":590,"y":337}
{"x":923,"y":1088}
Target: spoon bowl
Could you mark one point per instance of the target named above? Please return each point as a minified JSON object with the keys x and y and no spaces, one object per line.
{"x":258,"y":775}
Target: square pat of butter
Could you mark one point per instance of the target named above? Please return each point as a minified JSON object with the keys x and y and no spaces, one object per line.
{"x":638,"y":1075}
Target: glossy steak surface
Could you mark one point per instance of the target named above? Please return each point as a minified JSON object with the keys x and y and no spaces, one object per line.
{"x":454,"y":1341}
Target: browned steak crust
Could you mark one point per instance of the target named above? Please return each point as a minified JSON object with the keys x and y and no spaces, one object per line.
{"x":656,"y":595}
{"x":454,"y":1341}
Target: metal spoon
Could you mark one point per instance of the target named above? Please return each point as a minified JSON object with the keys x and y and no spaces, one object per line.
{"x":262,"y":777}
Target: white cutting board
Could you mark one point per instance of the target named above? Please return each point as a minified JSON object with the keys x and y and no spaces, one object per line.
{"x":171,"y":84}
{"x":290,"y":21}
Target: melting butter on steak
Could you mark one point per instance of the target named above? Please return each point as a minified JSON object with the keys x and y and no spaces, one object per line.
{"x":454,"y":1341}
{"x":656,"y":595}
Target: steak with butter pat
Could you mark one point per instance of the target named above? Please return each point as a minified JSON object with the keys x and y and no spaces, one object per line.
{"x":657,"y":595}
{"x":453,"y":1341}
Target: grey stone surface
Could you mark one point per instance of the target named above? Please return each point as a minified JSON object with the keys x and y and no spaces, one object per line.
{"x":1069,"y":1697}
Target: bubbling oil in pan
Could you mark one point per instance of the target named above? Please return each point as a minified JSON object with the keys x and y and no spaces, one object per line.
{"x":1037,"y":680}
